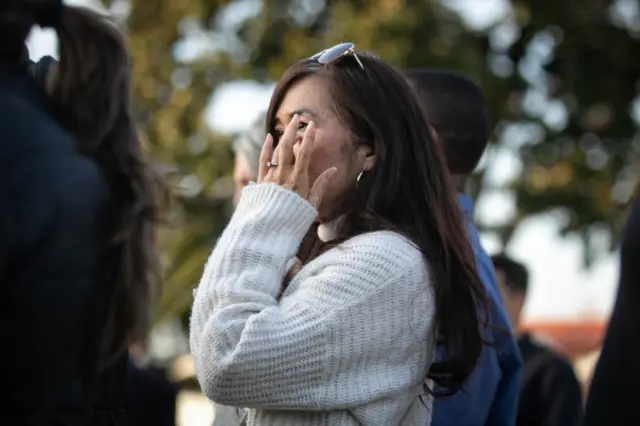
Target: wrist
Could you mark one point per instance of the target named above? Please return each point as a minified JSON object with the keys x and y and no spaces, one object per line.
{"x":282,"y":210}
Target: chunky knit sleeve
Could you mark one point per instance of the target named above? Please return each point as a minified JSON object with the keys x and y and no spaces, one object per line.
{"x":357,"y":329}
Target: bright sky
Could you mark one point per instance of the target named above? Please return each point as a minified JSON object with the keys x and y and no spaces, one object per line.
{"x":560,"y":287}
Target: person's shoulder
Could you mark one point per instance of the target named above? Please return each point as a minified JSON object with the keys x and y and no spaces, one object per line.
{"x":556,"y":372}
{"x":553,"y":359}
{"x":387,"y":244}
{"x":34,"y":140}
{"x":25,"y":108}
{"x":560,"y":365}
{"x":40,"y":158}
{"x":382,"y":271}
{"x":385,"y":253}
{"x":30,"y":132}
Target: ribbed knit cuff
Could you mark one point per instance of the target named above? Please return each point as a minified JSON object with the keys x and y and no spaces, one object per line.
{"x":284,"y":210}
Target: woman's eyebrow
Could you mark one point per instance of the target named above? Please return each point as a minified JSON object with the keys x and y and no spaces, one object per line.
{"x":299,"y":111}
{"x":303,"y":111}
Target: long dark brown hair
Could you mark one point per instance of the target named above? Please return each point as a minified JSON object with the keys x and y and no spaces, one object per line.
{"x":408,"y":190}
{"x":91,"y":89}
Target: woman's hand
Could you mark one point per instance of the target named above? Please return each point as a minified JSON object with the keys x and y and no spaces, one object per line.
{"x":280,"y":168}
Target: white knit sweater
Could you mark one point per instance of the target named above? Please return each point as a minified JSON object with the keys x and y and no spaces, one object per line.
{"x":348,"y":343}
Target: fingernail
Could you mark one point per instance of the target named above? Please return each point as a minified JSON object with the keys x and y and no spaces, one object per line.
{"x":314,"y":202}
{"x":310,"y":127}
{"x":268,"y":139}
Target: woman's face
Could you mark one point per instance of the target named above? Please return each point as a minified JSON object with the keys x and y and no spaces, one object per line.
{"x":310,"y":99}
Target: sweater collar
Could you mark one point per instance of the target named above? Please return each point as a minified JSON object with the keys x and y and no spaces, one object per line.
{"x":329,"y":231}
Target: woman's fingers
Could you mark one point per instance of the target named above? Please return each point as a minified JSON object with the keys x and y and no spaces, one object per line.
{"x":303,"y":159}
{"x":320,"y":187}
{"x":300,"y":174}
{"x":285,"y":146}
{"x":290,"y":174}
{"x":265,"y":157}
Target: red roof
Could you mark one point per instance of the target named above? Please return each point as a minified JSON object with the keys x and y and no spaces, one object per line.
{"x":573,"y":338}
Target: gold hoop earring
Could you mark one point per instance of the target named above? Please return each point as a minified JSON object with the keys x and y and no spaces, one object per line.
{"x":358,"y":178}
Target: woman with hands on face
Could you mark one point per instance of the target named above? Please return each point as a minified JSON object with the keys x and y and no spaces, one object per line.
{"x":291,"y":169}
{"x":351,"y":339}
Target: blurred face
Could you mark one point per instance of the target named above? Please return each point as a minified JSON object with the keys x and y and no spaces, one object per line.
{"x":241,"y":176}
{"x":332,"y":148}
{"x":513,"y":300}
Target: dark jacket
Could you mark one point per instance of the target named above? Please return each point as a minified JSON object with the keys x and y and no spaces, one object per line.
{"x":151,"y":398}
{"x":52,"y":234}
{"x":550,"y":393}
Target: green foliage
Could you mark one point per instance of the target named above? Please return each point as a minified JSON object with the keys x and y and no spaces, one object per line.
{"x":563,"y":56}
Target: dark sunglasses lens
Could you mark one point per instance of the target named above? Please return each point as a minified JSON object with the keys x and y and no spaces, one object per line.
{"x":334,"y":53}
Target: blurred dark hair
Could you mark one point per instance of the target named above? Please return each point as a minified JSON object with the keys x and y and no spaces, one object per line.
{"x":458,"y":112}
{"x":515,"y":273}
{"x":90,"y":87}
{"x":408,"y":190}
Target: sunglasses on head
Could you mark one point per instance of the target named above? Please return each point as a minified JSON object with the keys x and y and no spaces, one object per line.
{"x":336,"y":52}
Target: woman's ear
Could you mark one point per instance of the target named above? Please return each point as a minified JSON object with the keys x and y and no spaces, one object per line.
{"x":366,"y":157}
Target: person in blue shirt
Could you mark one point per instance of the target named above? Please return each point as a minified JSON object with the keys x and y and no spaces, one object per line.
{"x":459,"y":116}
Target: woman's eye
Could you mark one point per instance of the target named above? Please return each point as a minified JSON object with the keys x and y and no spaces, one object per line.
{"x":277,"y":134}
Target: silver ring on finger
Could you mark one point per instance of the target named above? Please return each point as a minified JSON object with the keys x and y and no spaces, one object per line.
{"x":271,"y":164}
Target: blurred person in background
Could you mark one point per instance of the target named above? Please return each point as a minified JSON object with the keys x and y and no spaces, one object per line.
{"x":460,"y":119}
{"x":77,"y":220}
{"x":350,"y":339}
{"x":247,"y":147}
{"x":550,"y":394}
{"x":613,"y":397}
{"x":151,"y":397}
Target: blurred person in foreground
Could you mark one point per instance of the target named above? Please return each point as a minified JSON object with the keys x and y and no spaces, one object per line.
{"x":550,"y":394}
{"x":613,"y":397}
{"x":77,"y":219}
{"x":350,"y":339}
{"x":459,"y":117}
{"x":247,"y":147}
